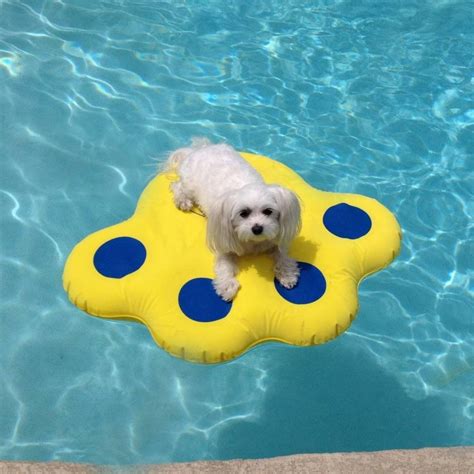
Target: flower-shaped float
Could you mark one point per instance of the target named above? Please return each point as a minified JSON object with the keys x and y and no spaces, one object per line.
{"x":155,"y":268}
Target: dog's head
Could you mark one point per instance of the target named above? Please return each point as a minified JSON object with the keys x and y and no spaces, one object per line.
{"x":253,"y":213}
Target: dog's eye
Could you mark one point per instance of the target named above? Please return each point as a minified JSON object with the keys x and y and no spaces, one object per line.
{"x":245,"y":213}
{"x":267,"y":212}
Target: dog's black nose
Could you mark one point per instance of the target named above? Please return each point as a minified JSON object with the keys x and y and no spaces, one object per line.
{"x":257,"y":229}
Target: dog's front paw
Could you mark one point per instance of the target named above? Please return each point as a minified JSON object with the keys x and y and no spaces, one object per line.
{"x":287,"y":272}
{"x":226,"y":289}
{"x":288,"y":281}
{"x":288,"y":276}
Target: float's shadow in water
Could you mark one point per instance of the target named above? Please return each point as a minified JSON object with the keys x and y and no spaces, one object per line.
{"x":345,"y":402}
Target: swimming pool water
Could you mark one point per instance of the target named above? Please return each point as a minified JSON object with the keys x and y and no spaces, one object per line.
{"x":356,"y":96}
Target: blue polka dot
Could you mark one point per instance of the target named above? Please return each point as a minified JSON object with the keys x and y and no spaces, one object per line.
{"x":348,"y":222}
{"x":310,"y":287}
{"x":119,"y":257}
{"x":199,"y":301}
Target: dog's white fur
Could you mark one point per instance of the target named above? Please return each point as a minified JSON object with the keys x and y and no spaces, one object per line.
{"x":237,"y":203}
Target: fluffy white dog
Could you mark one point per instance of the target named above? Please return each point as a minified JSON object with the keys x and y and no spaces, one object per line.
{"x":245,"y":215}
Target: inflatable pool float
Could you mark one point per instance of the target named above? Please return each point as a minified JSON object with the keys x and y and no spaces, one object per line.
{"x":155,"y":268}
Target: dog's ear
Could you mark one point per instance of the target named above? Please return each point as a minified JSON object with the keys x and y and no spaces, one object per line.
{"x":221,"y":237}
{"x":290,"y":214}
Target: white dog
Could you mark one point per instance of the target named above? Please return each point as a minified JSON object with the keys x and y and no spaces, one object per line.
{"x":245,"y":215}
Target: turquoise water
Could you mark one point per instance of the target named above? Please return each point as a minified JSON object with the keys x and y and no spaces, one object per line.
{"x":372,"y":97}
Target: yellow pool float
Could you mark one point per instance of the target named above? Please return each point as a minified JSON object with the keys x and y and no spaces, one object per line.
{"x":155,"y":268}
